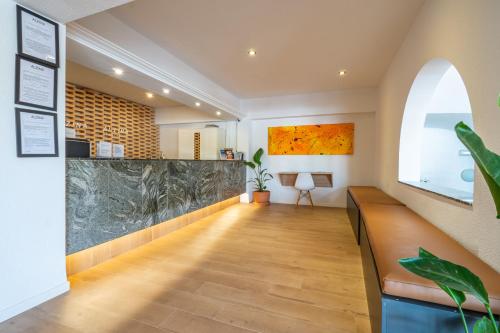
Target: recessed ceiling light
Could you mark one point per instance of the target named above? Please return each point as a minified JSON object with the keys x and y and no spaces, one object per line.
{"x":166,"y":91}
{"x":343,"y":72}
{"x":149,"y":95}
{"x":118,"y":71}
{"x":218,"y":113}
{"x":198,"y":104}
{"x":252,"y":52}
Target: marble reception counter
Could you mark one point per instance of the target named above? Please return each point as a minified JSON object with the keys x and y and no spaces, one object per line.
{"x":107,"y":199}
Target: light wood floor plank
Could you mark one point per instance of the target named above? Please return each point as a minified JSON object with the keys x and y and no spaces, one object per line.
{"x":246,"y":269}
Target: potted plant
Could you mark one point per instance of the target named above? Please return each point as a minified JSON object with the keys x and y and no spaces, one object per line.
{"x":454,"y":279}
{"x":261,"y":194}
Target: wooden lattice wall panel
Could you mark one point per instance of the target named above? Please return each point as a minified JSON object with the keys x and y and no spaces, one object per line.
{"x":98,"y":116}
{"x":197,"y":144}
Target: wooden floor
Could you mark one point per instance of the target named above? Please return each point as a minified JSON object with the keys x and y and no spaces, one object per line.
{"x":279,"y":268}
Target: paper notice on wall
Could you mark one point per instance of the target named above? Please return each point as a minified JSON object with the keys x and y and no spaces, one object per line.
{"x":37,"y":134}
{"x":39,"y":37}
{"x":36,"y":84}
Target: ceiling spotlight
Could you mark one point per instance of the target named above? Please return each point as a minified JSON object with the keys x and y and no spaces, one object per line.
{"x":252,"y":52}
{"x":343,"y":72}
{"x":218,"y":113}
{"x":118,"y":71}
{"x":166,"y":91}
{"x":149,"y":95}
{"x":198,"y":104}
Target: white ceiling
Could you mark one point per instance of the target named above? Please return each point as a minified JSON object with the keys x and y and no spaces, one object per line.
{"x":70,"y":10}
{"x":301,"y":44}
{"x":93,"y":69}
{"x":86,"y":77}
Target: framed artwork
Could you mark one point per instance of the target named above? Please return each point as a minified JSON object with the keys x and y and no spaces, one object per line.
{"x":229,"y":153}
{"x":36,"y":84}
{"x":36,"y":133}
{"x":37,"y":37}
{"x":325,"y":139}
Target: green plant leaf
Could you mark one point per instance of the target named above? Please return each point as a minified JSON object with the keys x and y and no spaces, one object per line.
{"x":249,"y":164}
{"x":423,"y":253}
{"x":456,"y":295}
{"x":487,"y":161}
{"x":484,"y":325}
{"x":448,"y":274}
{"x":257,"y":156}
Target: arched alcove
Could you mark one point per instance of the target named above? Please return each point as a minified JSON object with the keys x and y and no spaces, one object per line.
{"x":430,"y":155}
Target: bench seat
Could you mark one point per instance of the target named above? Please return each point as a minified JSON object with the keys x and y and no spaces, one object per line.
{"x":396,"y":232}
{"x":357,"y":196}
{"x":370,"y":194}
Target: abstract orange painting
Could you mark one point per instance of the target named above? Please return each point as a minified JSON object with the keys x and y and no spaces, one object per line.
{"x":328,"y":139}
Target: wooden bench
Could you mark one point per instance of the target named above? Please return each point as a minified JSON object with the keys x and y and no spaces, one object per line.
{"x":359,"y":195}
{"x":400,"y":301}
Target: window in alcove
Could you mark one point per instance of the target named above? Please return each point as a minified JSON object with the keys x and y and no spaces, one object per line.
{"x":431,"y":157}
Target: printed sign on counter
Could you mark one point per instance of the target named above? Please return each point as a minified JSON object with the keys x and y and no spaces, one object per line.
{"x":104,"y":149}
{"x":118,"y":151}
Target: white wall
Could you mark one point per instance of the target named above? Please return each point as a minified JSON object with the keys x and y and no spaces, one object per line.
{"x":169,"y":141}
{"x":449,"y":105}
{"x":437,"y":89}
{"x":32,"y":203}
{"x":323,"y":103}
{"x":466,"y":33}
{"x":347,"y":169}
{"x":169,"y":133}
{"x":441,"y":162}
{"x":182,"y":115}
{"x":356,"y":106}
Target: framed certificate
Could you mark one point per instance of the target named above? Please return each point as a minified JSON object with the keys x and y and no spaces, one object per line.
{"x":36,"y":84}
{"x":36,"y":133}
{"x":37,"y":37}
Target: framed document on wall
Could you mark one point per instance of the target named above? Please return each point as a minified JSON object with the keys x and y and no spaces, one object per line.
{"x":36,"y":84}
{"x":36,"y":133}
{"x":37,"y":37}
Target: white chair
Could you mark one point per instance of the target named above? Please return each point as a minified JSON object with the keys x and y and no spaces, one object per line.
{"x":304,"y":184}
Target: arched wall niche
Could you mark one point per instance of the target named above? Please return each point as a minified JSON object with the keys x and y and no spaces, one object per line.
{"x":430,"y":155}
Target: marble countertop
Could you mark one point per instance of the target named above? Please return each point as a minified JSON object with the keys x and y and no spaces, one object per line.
{"x":107,"y":199}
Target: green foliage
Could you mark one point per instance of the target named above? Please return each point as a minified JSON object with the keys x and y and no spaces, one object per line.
{"x":448,"y":274}
{"x":455,"y":280}
{"x":484,"y":325}
{"x":261,"y":175}
{"x":487,"y":161}
{"x":457,"y":295}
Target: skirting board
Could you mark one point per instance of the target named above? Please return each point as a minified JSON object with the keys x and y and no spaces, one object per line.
{"x":33,"y":301}
{"x":83,"y":260}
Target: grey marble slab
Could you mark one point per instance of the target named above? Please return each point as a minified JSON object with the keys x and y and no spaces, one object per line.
{"x":233,"y":180}
{"x":205,"y":181}
{"x":125,"y":200}
{"x":112,"y":198}
{"x":87,"y":199}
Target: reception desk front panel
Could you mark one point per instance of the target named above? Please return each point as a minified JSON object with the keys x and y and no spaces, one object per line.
{"x":107,"y":199}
